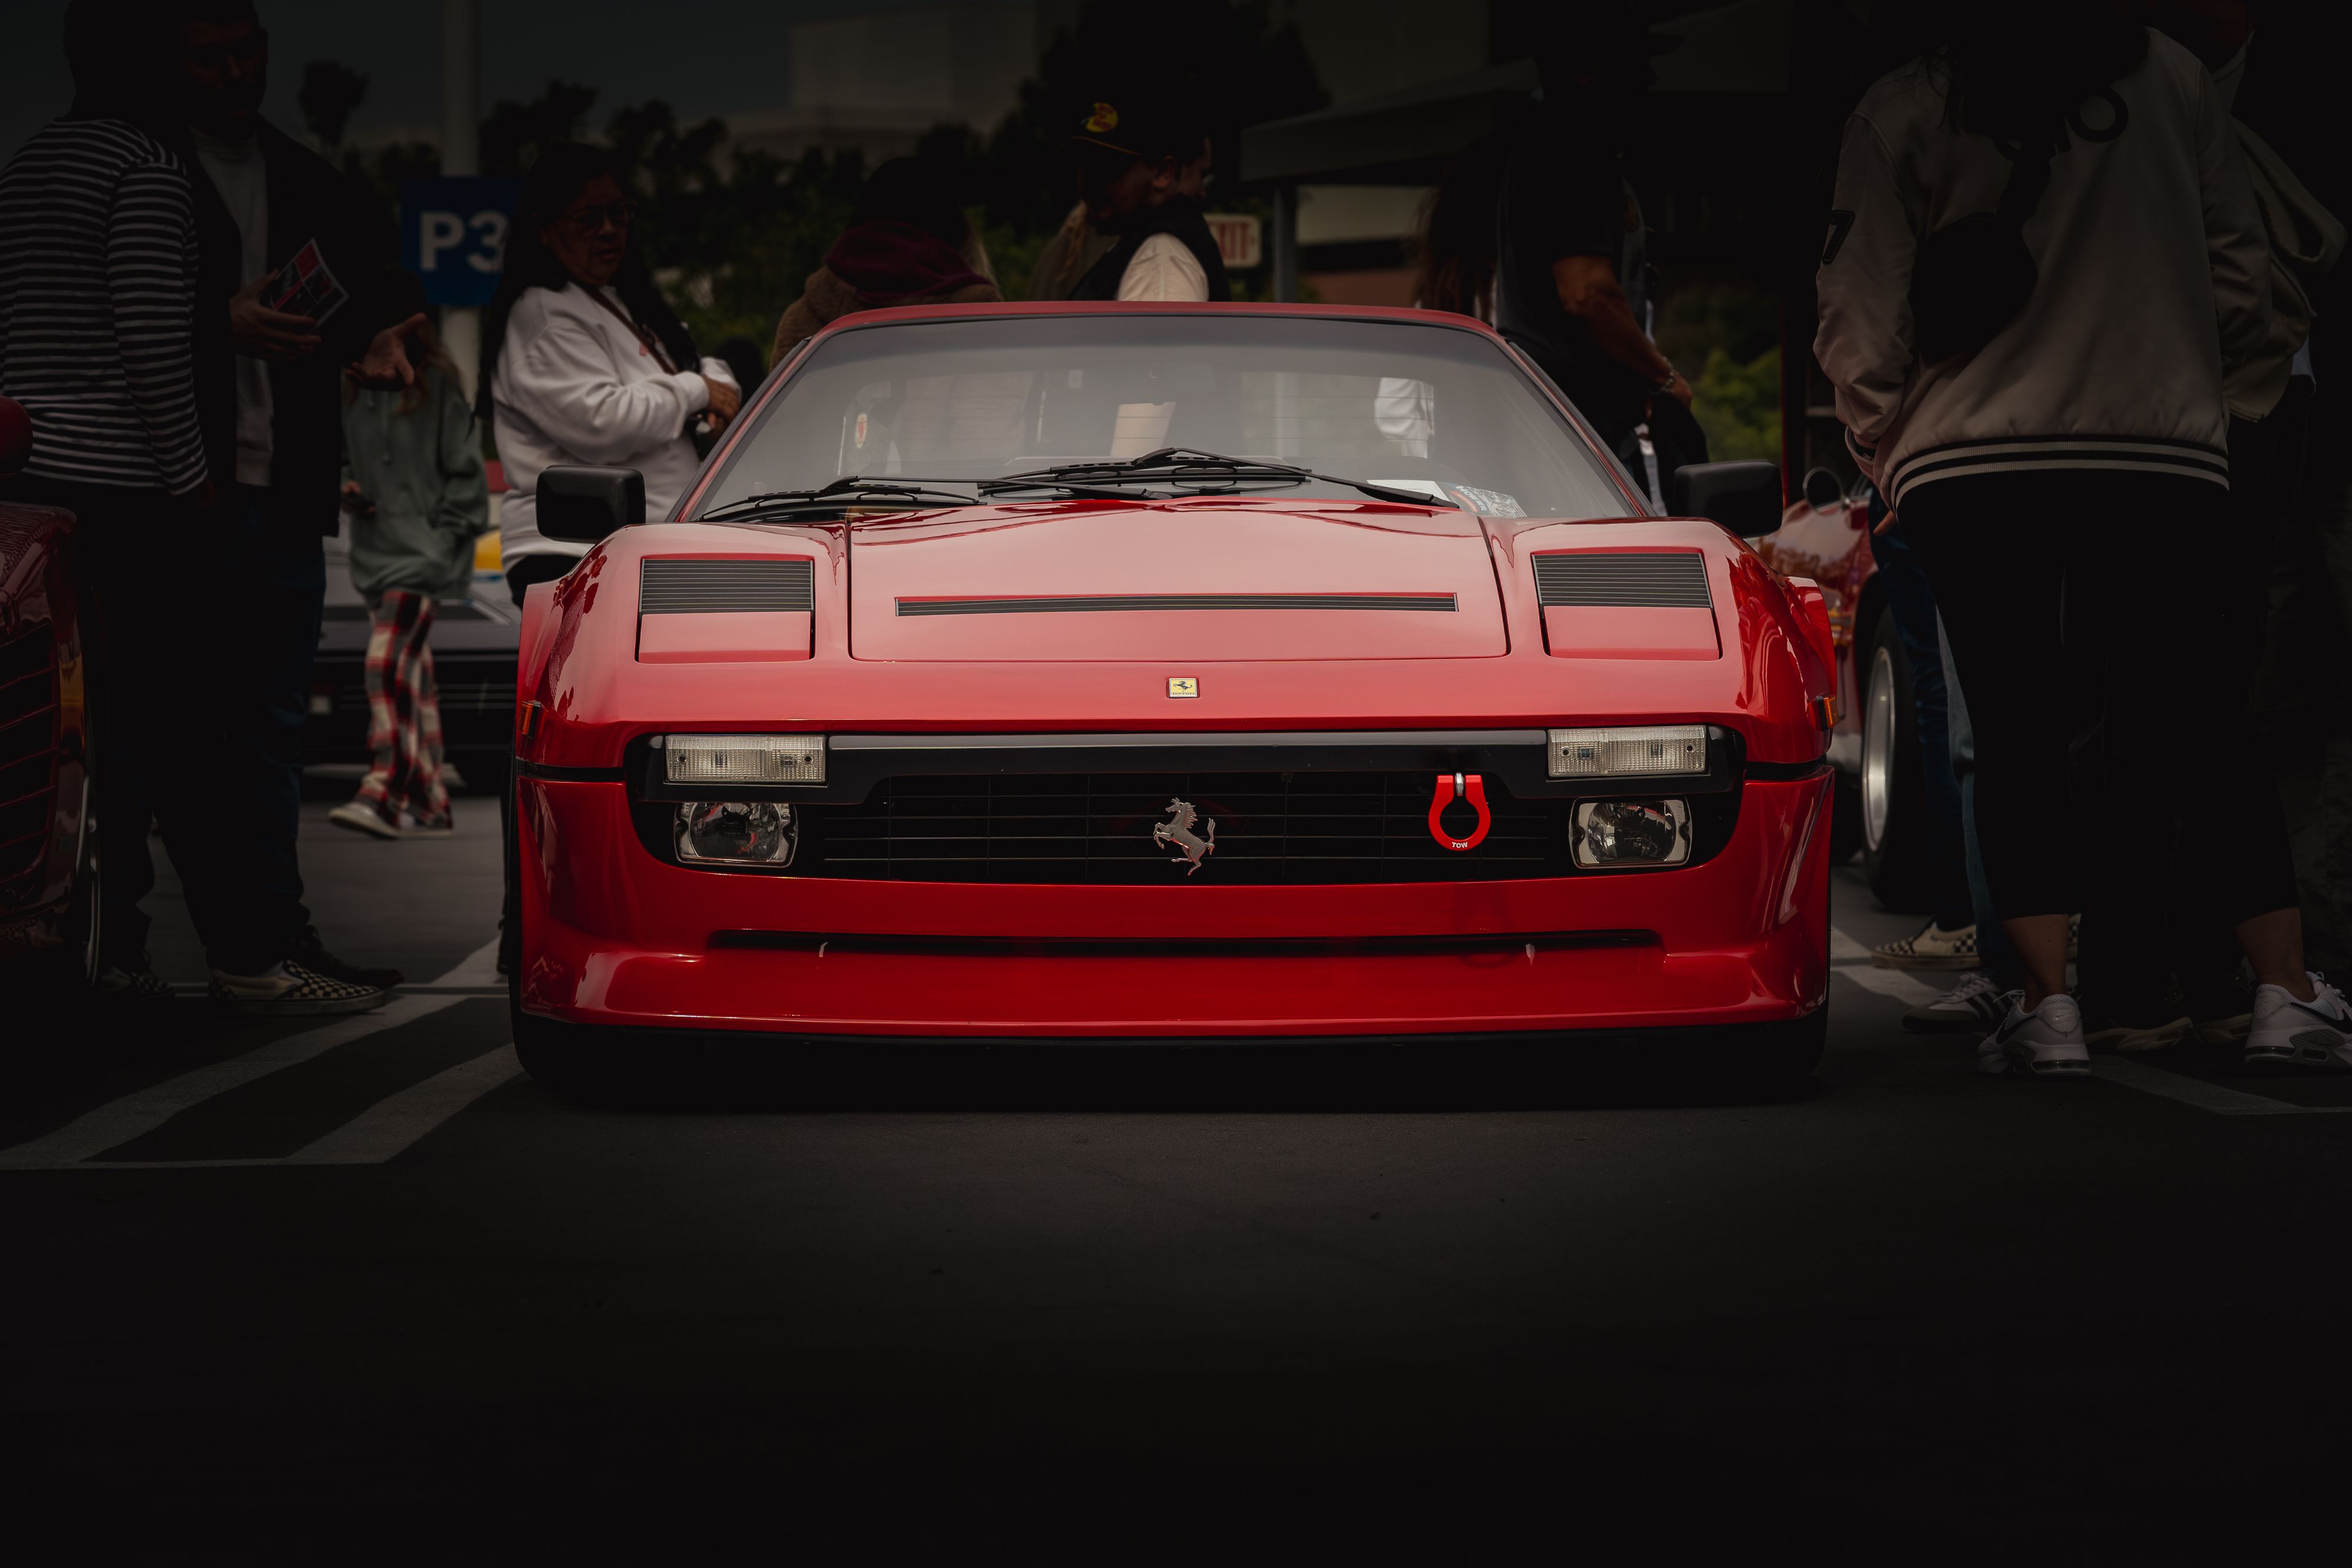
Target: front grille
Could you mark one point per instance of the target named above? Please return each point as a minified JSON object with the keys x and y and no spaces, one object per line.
{"x":1097,"y":829}
{"x":668,"y":587}
{"x":1080,"y":603}
{"x":1642,"y":579}
{"x":28,"y":739}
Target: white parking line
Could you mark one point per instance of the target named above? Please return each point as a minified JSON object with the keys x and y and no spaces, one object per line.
{"x":1893,"y":983}
{"x":1844,"y":949}
{"x":391,"y":1125}
{"x":134,"y":1115}
{"x":2217,"y":1098}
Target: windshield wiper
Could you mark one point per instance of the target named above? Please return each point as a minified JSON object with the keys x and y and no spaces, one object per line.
{"x":851,"y":488}
{"x":1182,"y":466}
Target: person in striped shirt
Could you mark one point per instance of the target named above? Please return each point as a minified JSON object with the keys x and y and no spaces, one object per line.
{"x":97,"y":287}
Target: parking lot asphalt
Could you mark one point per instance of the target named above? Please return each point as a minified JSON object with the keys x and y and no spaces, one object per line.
{"x":356,"y":1288}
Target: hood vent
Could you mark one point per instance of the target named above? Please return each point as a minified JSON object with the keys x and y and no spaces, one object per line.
{"x":673,"y":587}
{"x":1632,"y":579}
{"x":1102,"y":602}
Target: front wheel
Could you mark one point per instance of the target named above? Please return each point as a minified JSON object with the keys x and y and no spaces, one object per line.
{"x":1897,"y":843}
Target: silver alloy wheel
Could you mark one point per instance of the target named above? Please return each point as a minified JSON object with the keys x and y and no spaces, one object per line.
{"x":1877,"y":748}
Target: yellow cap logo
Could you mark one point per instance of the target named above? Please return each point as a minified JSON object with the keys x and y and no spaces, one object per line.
{"x":1104,"y":118}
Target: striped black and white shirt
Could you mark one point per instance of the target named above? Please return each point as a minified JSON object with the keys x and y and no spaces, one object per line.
{"x":98,"y":284}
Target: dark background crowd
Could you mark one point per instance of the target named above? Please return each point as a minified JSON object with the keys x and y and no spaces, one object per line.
{"x":1660,"y":255}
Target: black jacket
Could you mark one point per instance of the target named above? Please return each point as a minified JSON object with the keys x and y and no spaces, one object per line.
{"x":1178,"y":215}
{"x":308,"y":200}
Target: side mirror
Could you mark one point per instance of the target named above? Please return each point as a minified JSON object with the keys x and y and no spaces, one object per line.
{"x":1743,"y":496}
{"x":16,"y":438}
{"x":582,"y":506}
{"x":1823,"y":491}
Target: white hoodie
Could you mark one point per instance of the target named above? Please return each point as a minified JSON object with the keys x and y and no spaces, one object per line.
{"x":574,"y":386}
{"x":2155,"y":279}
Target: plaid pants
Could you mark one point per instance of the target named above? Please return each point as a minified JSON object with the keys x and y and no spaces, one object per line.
{"x":403,"y":711}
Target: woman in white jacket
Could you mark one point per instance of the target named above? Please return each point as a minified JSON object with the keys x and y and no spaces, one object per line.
{"x":582,"y":360}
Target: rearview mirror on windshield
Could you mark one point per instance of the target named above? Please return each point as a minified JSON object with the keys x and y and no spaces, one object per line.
{"x":1743,"y":496}
{"x":582,"y":506}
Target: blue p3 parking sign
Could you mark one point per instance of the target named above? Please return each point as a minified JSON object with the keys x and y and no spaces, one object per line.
{"x":453,"y":234}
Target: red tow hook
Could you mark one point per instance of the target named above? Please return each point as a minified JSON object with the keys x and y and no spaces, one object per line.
{"x":1453,"y":786}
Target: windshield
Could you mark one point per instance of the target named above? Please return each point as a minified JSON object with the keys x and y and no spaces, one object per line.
{"x":1430,"y":410}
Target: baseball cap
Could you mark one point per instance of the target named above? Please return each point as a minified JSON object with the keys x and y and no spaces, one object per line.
{"x":1138,"y":124}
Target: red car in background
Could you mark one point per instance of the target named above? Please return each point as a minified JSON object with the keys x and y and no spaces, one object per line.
{"x":49,"y":827}
{"x":1881,"y":807}
{"x":1202,"y":673}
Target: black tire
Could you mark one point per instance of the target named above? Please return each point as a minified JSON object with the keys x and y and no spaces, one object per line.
{"x":1846,"y":820}
{"x":1897,"y":845}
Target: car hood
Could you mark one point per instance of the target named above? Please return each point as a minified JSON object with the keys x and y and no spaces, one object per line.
{"x":1192,"y":581}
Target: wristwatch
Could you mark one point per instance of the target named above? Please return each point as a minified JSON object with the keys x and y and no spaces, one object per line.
{"x":1667,"y":386}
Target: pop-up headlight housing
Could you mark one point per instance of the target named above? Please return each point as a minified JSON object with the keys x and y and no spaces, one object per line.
{"x":1646,"y":751}
{"x":743,"y":759}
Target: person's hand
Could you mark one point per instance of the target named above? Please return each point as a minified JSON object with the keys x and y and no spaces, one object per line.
{"x":385,"y":367}
{"x":1885,"y":522}
{"x":355,"y":500}
{"x":725,"y":400}
{"x":261,"y":333}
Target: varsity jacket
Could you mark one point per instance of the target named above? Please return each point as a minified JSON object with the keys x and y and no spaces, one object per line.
{"x":2154,"y":281}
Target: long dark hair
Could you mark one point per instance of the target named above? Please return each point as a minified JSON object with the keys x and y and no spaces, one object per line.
{"x":561,"y":172}
{"x":2011,"y":68}
{"x":1453,"y":256}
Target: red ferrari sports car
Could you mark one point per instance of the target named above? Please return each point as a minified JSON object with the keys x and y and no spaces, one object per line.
{"x":49,"y":827}
{"x":1192,"y":674}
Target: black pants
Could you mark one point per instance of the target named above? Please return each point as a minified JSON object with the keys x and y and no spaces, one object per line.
{"x":2080,"y":603}
{"x":277,"y":593}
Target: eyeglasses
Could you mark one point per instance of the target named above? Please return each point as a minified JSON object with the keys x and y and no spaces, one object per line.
{"x":589,"y":222}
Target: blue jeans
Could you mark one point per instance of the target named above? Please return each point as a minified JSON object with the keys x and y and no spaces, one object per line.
{"x":1913,"y":604}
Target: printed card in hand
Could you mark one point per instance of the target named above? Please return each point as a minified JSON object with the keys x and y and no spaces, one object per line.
{"x":305,"y":285}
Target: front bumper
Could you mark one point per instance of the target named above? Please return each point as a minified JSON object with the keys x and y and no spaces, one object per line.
{"x":613,"y":936}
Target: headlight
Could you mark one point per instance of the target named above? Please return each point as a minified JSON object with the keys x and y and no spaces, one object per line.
{"x":736,"y":833}
{"x":744,"y":758}
{"x":1632,"y":832}
{"x":1619,"y":753}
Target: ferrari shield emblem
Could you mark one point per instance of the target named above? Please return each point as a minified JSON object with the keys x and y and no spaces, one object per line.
{"x":1177,"y":833}
{"x":1184,"y":685}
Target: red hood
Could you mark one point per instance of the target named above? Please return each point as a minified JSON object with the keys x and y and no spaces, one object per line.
{"x":1197,"y":581}
{"x":581,"y":659}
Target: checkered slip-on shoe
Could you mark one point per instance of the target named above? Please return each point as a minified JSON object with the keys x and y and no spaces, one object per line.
{"x":293,"y":991}
{"x":132,"y":981}
{"x":1933,"y":949}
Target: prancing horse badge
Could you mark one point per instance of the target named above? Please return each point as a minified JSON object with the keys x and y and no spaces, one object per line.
{"x":1178,"y":834}
{"x":1184,"y":685}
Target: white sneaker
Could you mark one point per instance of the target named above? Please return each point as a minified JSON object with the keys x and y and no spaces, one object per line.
{"x":2317,"y":1033}
{"x":1975,"y":1003}
{"x":2045,"y":1043}
{"x":362,"y":818}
